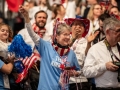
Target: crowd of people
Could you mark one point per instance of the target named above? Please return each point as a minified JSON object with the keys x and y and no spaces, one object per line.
{"x":76,"y":44}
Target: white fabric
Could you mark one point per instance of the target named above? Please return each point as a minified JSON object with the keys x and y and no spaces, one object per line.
{"x":91,"y":29}
{"x":26,"y":37}
{"x":49,"y":28}
{"x":70,"y":9}
{"x":94,"y":66}
{"x":51,"y":2}
{"x":28,"y":33}
{"x":4,"y":49}
{"x":80,"y":45}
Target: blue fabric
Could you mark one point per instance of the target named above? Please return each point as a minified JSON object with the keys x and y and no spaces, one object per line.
{"x":49,"y":70}
{"x":1,"y":77}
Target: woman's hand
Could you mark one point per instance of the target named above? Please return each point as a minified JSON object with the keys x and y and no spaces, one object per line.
{"x":24,"y":12}
{"x":73,"y":73}
{"x":92,"y":36}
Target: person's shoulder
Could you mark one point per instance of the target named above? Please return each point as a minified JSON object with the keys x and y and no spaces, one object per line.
{"x":23,"y":32}
{"x":98,"y":46}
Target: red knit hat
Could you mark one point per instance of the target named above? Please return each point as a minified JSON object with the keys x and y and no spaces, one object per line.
{"x":85,"y":22}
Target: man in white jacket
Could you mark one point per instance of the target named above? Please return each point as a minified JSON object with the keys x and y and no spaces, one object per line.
{"x":100,"y":61}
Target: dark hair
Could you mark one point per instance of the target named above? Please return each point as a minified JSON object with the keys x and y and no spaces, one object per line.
{"x":41,"y":11}
{"x":115,"y":7}
{"x":102,"y":17}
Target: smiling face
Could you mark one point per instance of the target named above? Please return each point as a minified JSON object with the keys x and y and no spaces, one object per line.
{"x":63,"y":35}
{"x":64,"y":38}
{"x":4,"y":33}
{"x":78,"y":27}
{"x":41,"y":19}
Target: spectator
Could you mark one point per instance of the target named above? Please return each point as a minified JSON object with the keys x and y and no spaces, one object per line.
{"x":114,"y":10}
{"x":100,"y":62}
{"x":6,"y":62}
{"x":94,"y":13}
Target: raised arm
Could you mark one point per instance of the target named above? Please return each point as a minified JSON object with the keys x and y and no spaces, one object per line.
{"x":25,"y":14}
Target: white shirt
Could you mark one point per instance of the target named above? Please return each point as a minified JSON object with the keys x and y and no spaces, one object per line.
{"x":4,"y":49}
{"x":94,"y":66}
{"x":79,"y":47}
{"x":28,"y":39}
{"x":91,"y":28}
{"x":70,"y":9}
{"x":51,"y":2}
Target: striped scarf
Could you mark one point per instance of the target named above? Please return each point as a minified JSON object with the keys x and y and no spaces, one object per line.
{"x":38,"y":31}
{"x":61,"y":51}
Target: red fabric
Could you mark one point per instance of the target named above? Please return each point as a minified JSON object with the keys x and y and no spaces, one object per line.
{"x":28,"y":63}
{"x":61,"y":51}
{"x":38,"y":30}
{"x":106,"y":4}
{"x":115,"y":16}
{"x":13,"y":5}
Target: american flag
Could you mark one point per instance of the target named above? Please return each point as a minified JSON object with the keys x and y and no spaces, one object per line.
{"x":28,"y":63}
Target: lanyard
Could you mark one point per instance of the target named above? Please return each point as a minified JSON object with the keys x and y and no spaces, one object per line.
{"x":110,"y":50}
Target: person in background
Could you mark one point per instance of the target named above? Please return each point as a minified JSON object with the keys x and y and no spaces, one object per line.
{"x":100,"y":61}
{"x":94,"y":13}
{"x":114,"y":10}
{"x":79,"y":27}
{"x":6,"y":62}
{"x":101,"y":35}
{"x":59,"y":13}
{"x":89,"y":4}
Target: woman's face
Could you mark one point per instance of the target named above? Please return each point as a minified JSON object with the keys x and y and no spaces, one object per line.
{"x":64,"y":38}
{"x":97,"y":10}
{"x":78,"y":27}
{"x":4,"y":33}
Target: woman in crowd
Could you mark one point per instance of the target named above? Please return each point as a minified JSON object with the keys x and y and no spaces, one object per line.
{"x":59,"y":13}
{"x":94,"y":13}
{"x":6,"y":62}
{"x":58,"y":62}
{"x":80,"y":26}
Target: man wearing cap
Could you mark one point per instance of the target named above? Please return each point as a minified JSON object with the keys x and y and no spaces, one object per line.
{"x":103,"y":57}
{"x":80,"y":28}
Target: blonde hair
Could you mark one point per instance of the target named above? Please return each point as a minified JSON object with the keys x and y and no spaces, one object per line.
{"x":90,"y":13}
{"x":9,"y":28}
